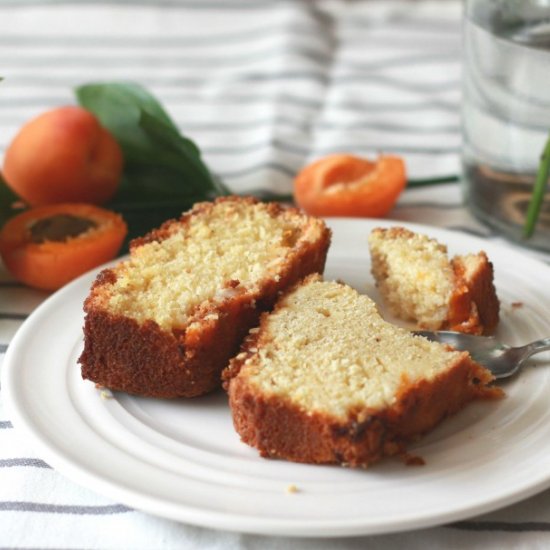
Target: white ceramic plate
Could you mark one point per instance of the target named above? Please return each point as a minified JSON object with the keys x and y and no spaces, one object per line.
{"x":182,"y":459}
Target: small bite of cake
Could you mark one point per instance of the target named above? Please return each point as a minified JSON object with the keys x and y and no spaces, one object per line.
{"x":165,"y":322}
{"x":325,"y":379}
{"x":419,"y":283}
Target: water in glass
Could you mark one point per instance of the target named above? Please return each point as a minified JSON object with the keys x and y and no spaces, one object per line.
{"x":506,"y":111}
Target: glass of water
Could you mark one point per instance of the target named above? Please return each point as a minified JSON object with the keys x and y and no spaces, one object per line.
{"x":506,"y":112}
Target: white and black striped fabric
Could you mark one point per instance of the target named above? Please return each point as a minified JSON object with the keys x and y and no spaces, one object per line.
{"x":263,"y":87}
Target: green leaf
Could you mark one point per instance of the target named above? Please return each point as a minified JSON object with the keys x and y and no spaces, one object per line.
{"x":120,"y":103}
{"x":145,"y":132}
{"x":163,"y":170}
{"x":187,"y":153}
{"x":119,"y":108}
{"x":166,"y":134}
{"x":142,"y":217}
{"x":177,"y":152}
{"x":539,"y":190}
{"x":7,"y":200}
{"x":147,"y":184}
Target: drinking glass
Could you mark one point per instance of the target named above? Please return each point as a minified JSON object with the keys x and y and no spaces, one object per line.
{"x":506,"y":112}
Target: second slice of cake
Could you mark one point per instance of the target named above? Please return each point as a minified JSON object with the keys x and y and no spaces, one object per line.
{"x":326,"y":380}
{"x":165,"y":322}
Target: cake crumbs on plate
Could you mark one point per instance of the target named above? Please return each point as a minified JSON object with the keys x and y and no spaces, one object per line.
{"x":412,"y":460}
{"x":291,"y":489}
{"x":106,"y":394}
{"x":512,"y":307}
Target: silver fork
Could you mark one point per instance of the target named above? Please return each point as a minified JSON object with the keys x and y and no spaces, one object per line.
{"x":500,"y":359}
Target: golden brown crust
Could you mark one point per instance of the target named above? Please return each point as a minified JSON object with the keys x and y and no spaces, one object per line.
{"x":165,"y":230}
{"x":143,"y":359}
{"x":279,"y":428}
{"x":474,"y":305}
{"x":396,"y":232}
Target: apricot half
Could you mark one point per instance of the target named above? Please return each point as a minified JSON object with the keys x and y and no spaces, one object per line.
{"x":346,"y":185}
{"x":47,"y":246}
{"x":63,"y":155}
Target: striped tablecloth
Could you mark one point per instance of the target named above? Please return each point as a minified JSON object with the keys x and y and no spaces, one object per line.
{"x":263,"y":87}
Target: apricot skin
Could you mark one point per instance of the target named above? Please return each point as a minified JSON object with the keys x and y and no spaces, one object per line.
{"x":63,"y":155}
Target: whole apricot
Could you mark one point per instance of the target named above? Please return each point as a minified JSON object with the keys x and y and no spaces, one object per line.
{"x":63,"y":155}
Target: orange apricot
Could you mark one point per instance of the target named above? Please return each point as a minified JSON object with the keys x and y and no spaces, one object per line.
{"x":345,"y":185}
{"x":48,"y":246}
{"x":63,"y":155}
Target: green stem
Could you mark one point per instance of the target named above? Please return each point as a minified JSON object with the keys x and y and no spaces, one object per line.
{"x":432,"y":181}
{"x":266,"y":195}
{"x":538,"y":192}
{"x":272,"y":196}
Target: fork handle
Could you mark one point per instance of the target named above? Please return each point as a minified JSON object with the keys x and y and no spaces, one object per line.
{"x":537,"y":347}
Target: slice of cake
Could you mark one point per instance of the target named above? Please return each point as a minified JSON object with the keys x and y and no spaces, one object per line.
{"x":165,"y":322}
{"x":419,"y":282}
{"x":325,"y":380}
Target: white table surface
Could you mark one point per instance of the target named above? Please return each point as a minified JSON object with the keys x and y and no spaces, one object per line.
{"x":263,"y":87}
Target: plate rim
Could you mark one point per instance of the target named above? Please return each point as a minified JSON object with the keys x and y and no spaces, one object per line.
{"x":236,"y":522}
